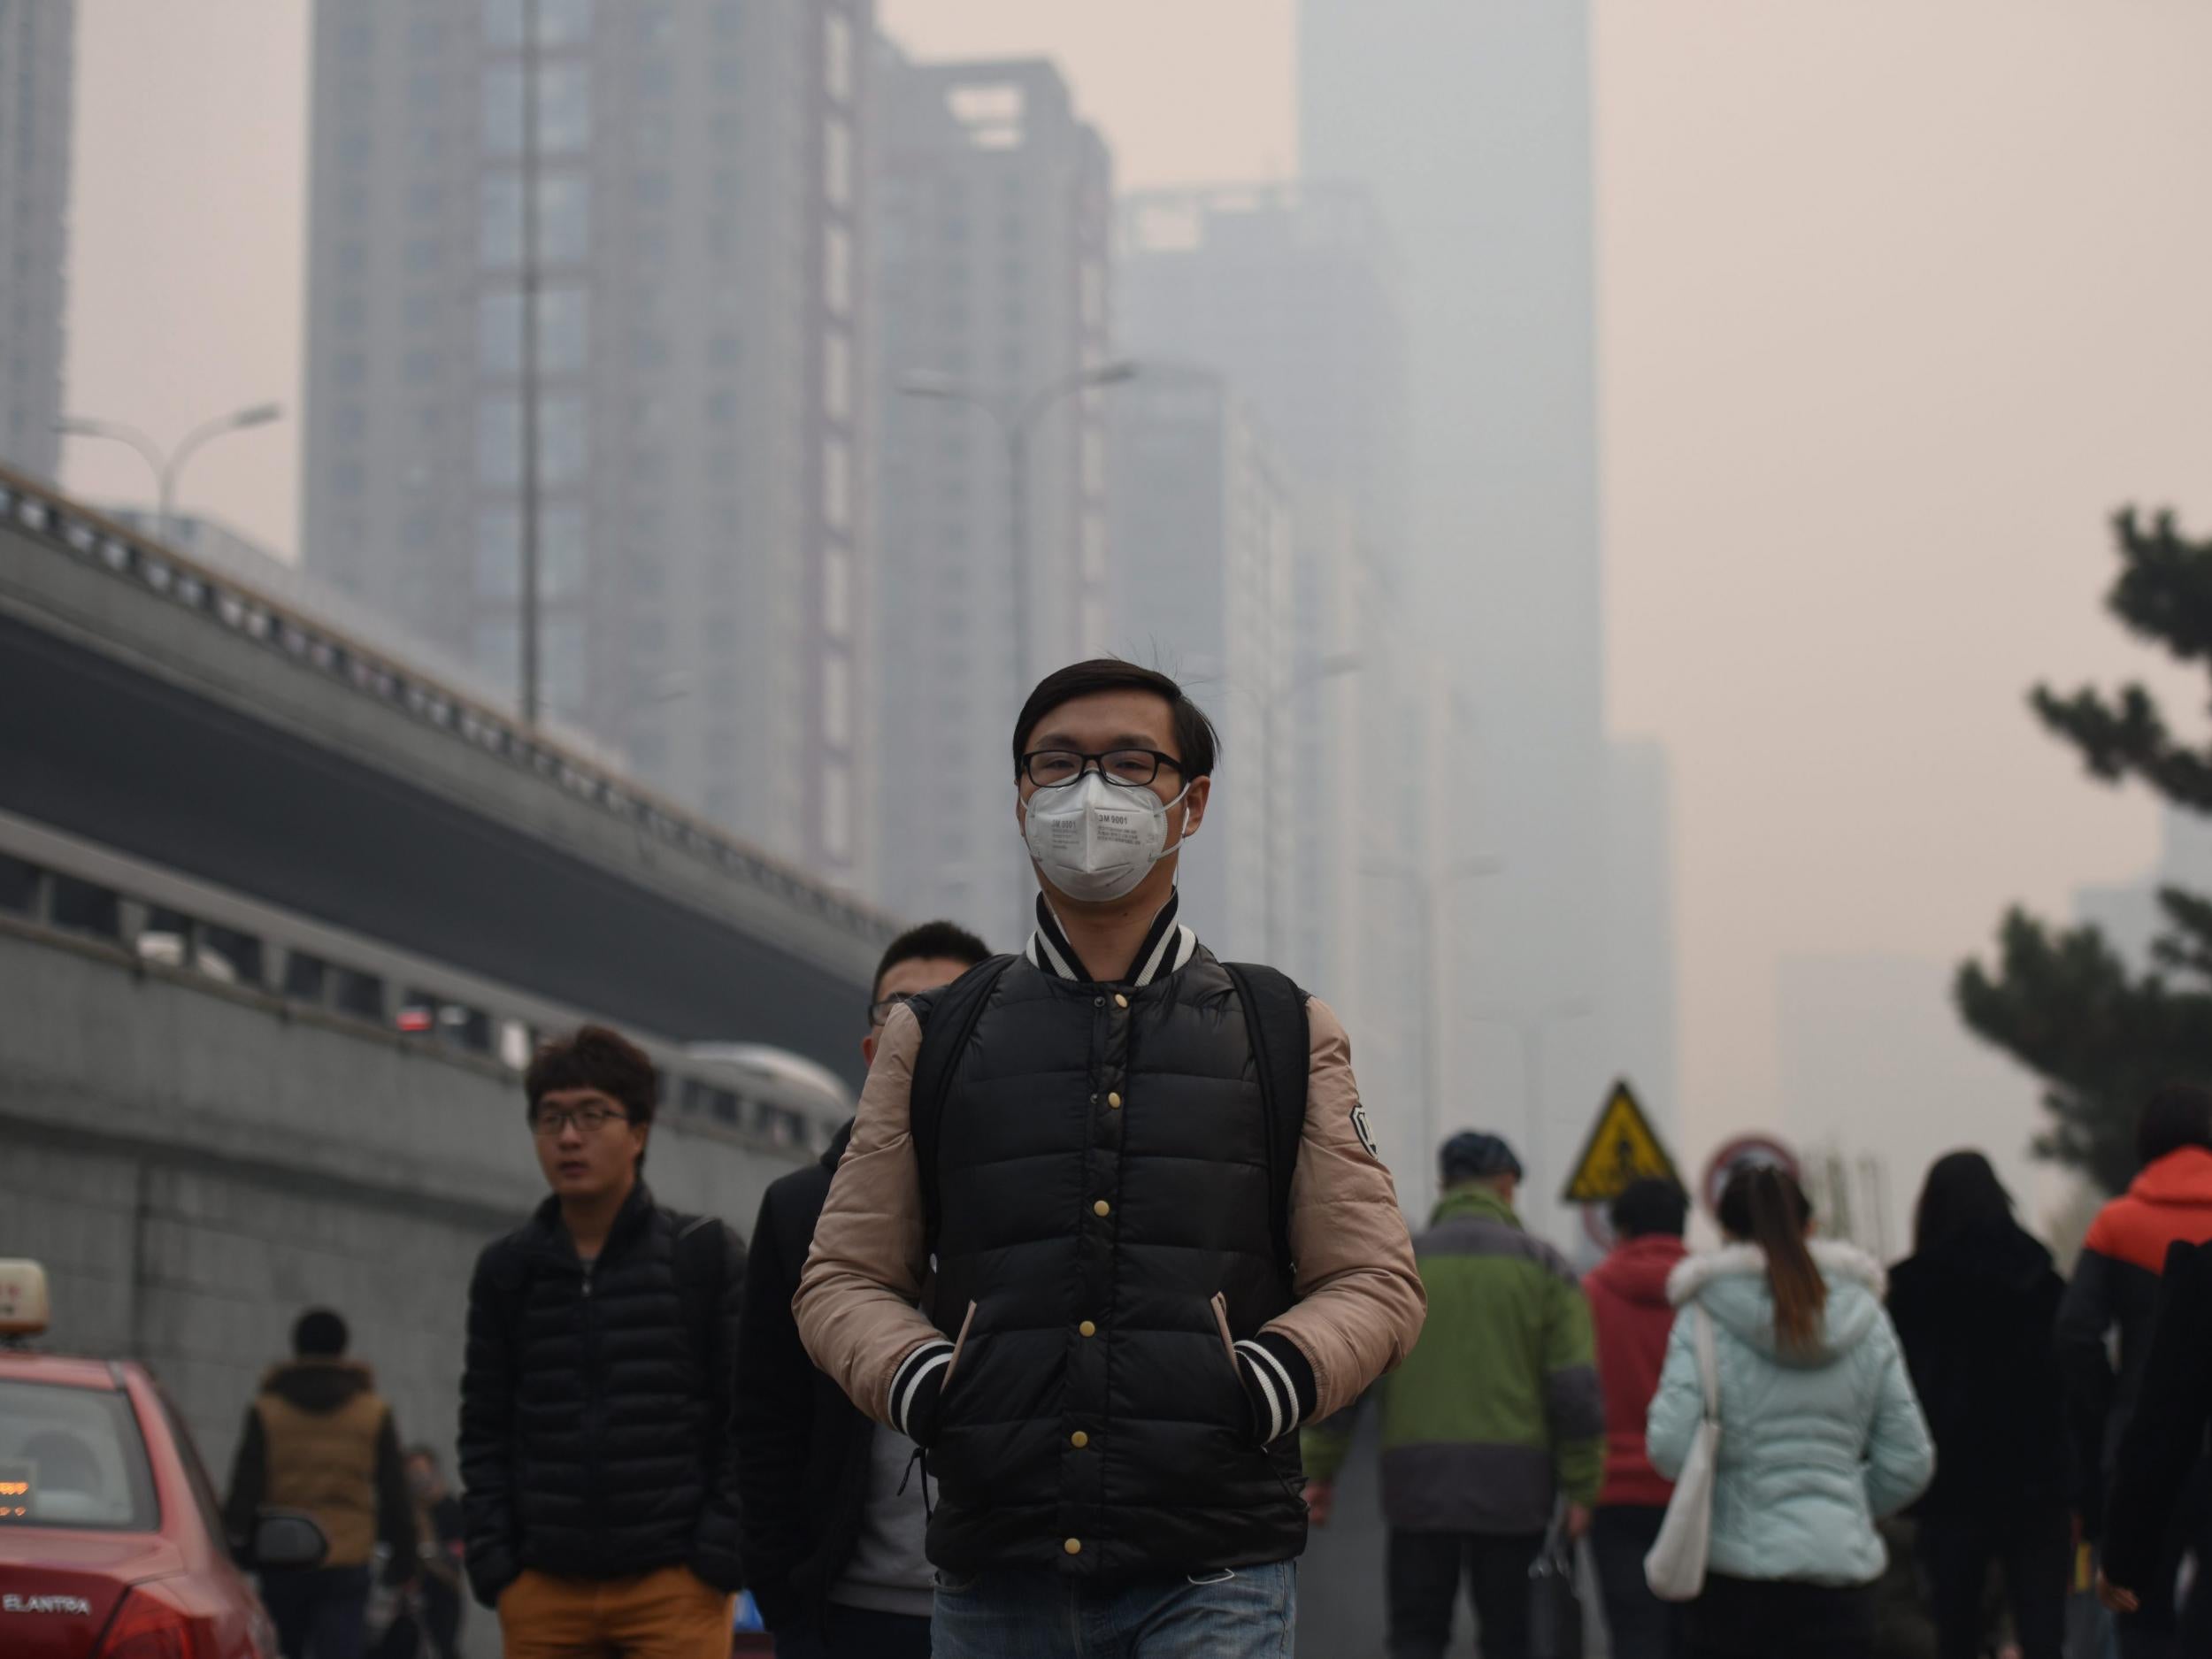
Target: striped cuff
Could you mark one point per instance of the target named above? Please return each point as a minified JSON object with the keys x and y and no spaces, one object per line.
{"x":914,"y":1387}
{"x":1280,"y":1382}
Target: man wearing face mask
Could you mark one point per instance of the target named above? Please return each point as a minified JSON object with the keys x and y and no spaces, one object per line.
{"x":1133,"y":1191}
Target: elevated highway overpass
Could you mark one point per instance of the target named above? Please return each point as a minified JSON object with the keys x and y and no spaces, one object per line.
{"x":178,"y":715}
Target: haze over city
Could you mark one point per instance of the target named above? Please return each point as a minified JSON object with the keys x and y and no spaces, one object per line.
{"x":1895,"y":304}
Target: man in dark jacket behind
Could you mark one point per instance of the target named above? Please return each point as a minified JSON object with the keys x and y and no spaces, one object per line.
{"x":2115,"y":1284}
{"x":319,"y":1439}
{"x":598,"y":1468}
{"x":1633,"y":1318}
{"x":834,"y":1509}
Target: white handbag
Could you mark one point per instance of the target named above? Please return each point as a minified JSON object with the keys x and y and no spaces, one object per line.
{"x":1675,"y":1569}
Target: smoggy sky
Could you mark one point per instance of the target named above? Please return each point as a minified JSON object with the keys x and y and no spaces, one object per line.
{"x":1898,"y":302}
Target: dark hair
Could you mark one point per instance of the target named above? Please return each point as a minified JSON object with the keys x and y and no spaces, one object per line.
{"x":930,"y":941}
{"x":319,"y":1333}
{"x":600,"y":1058}
{"x":1765,"y":1204}
{"x":2179,"y":1115}
{"x":1651,"y":1205}
{"x":1197,"y":744}
{"x":1962,"y":1195}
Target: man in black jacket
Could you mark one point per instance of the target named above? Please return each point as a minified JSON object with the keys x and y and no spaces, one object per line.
{"x":834,"y":1512}
{"x":597,"y":1459}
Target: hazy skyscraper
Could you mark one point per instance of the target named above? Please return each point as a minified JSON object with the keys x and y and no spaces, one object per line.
{"x":701,"y":475}
{"x":994,"y":223}
{"x":1639,"y":998}
{"x":1202,"y":545}
{"x":35,"y":75}
{"x":1471,"y":123}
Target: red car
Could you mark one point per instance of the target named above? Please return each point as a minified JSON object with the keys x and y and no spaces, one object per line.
{"x":111,"y":1535}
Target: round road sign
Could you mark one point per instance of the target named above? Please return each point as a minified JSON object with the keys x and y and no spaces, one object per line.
{"x":1744,"y":1149}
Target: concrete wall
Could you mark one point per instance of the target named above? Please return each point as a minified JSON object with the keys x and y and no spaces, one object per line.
{"x":195,"y":1167}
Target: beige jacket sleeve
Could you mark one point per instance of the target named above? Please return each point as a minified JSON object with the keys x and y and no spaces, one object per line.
{"x":856,"y":1301}
{"x":1360,"y":1299}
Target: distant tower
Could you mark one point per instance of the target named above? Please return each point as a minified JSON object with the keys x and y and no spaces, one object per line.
{"x":994,"y":284}
{"x":36,"y":68}
{"x":702,"y":479}
{"x":1470,"y":121}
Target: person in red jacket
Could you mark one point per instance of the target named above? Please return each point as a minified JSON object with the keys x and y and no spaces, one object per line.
{"x":1628,"y":1304}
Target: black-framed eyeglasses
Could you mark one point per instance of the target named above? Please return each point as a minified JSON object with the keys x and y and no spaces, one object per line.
{"x":553,"y":1121}
{"x":1056,"y":768}
{"x":881,"y":1009}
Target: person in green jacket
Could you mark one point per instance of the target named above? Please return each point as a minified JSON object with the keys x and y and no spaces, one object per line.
{"x":1493,"y":1419}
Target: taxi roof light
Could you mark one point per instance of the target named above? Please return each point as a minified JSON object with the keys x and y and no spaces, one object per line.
{"x":23,"y":1305}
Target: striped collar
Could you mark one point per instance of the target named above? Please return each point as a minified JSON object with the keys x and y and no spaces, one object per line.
{"x":1167,"y":947}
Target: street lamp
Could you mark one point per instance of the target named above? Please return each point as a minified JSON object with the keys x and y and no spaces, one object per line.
{"x":1531,"y":1028}
{"x":166,"y":469}
{"x":1016,"y":419}
{"x":1428,"y":890}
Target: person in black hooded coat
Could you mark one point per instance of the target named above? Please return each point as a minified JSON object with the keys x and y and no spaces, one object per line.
{"x":1974,"y":1306}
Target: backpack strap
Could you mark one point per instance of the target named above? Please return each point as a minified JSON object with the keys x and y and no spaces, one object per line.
{"x":1282,"y":1053}
{"x":948,"y":1017}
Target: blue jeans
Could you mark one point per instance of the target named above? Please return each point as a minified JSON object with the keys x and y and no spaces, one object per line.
{"x":1248,"y":1613}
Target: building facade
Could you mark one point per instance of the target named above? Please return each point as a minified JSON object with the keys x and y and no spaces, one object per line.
{"x":676,"y":190}
{"x":37,"y":72}
{"x":992,"y":260}
{"x":1203,"y":588}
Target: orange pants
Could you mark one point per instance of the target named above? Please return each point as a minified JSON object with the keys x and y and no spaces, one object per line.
{"x":670,"y":1614}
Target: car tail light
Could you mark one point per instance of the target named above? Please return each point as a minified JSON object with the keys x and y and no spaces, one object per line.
{"x":146,"y":1626}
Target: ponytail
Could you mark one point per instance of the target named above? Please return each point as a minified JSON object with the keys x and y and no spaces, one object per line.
{"x":1766,"y":1205}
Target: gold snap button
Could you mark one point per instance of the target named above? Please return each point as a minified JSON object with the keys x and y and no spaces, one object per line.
{"x":1074,"y":1546}
{"x":1119,"y":1002}
{"x":1079,"y":1438}
{"x":1101,"y":1207}
{"x":1086,"y":1329}
{"x":1114,"y":1101}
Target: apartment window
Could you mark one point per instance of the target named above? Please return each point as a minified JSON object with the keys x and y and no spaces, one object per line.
{"x":498,"y":552}
{"x":837,"y":162}
{"x":564,"y":550}
{"x":564,"y":330}
{"x":564,"y":443}
{"x":837,"y":57}
{"x":837,"y":375}
{"x":357,"y":41}
{"x":562,"y":662}
{"x":721,"y":409}
{"x":423,"y":253}
{"x":564,"y":219}
{"x":499,"y":442}
{"x":837,"y":592}
{"x":350,"y":368}
{"x":837,"y":810}
{"x":350,"y":311}
{"x":499,"y":335}
{"x":564,"y":107}
{"x":837,"y":483}
{"x":426,"y":35}
{"x":655,"y":77}
{"x":421,"y":367}
{"x":837,"y":702}
{"x":499,"y":220}
{"x":425,"y":198}
{"x":425,"y":91}
{"x":837,"y":270}
{"x":560,"y":22}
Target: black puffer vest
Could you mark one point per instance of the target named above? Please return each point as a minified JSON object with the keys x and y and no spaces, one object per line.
{"x":1101,"y":1172}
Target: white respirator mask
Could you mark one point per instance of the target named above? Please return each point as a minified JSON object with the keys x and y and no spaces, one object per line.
{"x":1097,"y":840}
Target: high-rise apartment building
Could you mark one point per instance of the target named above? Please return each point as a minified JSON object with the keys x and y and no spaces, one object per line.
{"x":1203,"y":549}
{"x":36,"y":66}
{"x":1470,"y":124}
{"x":676,"y":188}
{"x":993,"y":224}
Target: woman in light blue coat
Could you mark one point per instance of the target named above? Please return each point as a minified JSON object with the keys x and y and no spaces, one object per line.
{"x":1819,"y":1431}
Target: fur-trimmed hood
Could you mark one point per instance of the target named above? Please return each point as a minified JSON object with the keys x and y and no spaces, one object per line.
{"x":1731,"y":1284}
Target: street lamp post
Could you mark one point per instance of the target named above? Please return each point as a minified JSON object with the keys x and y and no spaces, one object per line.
{"x":166,"y":468}
{"x":1428,"y":890}
{"x":1015,"y":420}
{"x":1530,"y":1028}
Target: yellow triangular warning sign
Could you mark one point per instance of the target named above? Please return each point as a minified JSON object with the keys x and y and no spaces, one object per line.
{"x":1623,"y":1147}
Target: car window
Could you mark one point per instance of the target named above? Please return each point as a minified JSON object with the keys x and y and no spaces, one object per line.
{"x":195,"y":1470}
{"x":73,"y":1457}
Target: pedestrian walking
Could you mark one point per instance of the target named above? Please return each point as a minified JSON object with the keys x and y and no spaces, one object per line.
{"x":439,"y":1536}
{"x":2115,"y":1289}
{"x":834,"y":1512}
{"x":1974,"y":1307}
{"x":597,"y":1466}
{"x":1162,"y":1237}
{"x":318,"y":1438}
{"x":1819,"y":1433}
{"x":1631,"y":1316}
{"x":2161,"y":1496}
{"x":1493,"y":1422}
